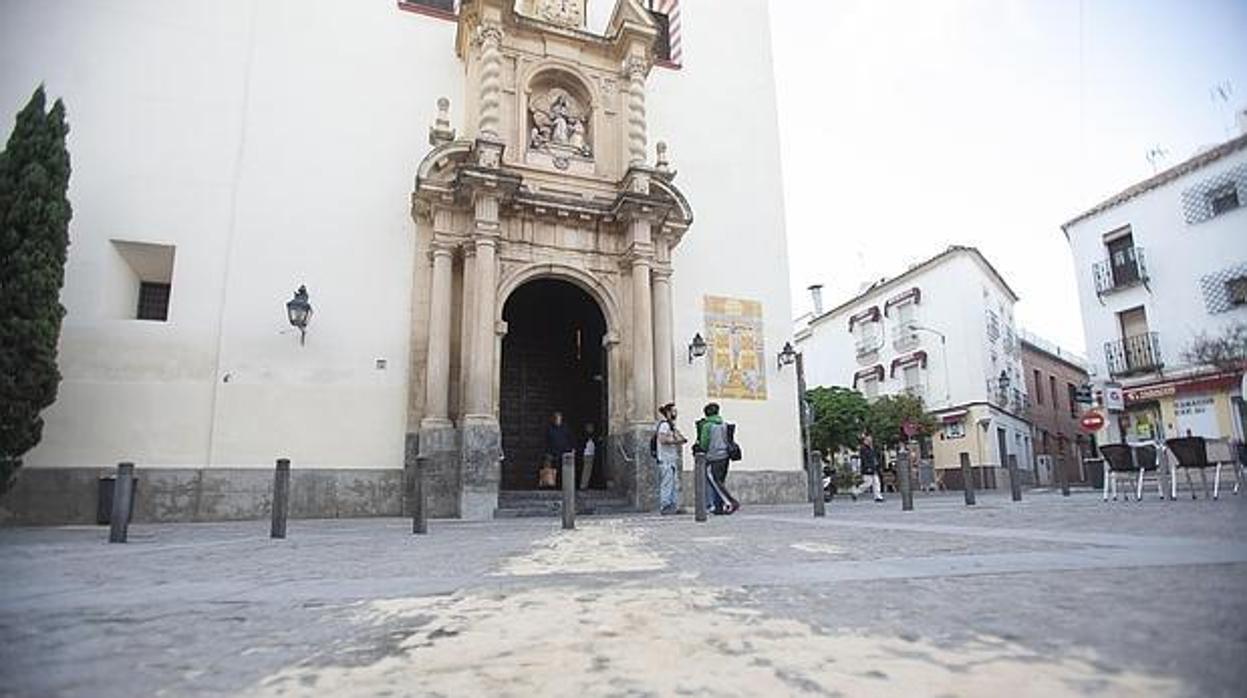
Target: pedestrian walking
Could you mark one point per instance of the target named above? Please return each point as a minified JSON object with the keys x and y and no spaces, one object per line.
{"x":870,"y":469}
{"x":668,"y":440}
{"x":715,"y":438}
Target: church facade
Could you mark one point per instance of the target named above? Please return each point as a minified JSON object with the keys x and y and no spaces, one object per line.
{"x":499,"y":210}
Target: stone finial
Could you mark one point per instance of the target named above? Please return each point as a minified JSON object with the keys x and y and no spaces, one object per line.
{"x":662,"y":164}
{"x":441,"y":132}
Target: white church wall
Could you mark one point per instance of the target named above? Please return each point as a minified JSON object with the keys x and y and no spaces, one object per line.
{"x":718,"y":116}
{"x":273,"y":143}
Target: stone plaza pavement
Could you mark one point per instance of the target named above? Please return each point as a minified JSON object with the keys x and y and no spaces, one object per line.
{"x":1053,"y":596}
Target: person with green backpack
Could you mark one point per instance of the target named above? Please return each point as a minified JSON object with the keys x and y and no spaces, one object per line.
{"x":716,"y":439}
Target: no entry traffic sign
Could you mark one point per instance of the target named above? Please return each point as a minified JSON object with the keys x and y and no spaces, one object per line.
{"x":1091,"y":421}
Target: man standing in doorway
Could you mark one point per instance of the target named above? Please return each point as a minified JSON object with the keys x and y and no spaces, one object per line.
{"x":669,"y":441}
{"x":870,"y":469}
{"x":558,"y":441}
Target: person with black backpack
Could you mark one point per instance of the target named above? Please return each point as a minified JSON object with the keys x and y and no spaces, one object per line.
{"x":717,"y":439}
{"x":665,"y":447}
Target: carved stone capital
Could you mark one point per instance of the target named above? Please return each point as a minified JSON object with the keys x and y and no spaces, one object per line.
{"x":636,"y":67}
{"x":441,"y":248}
{"x":487,"y":35}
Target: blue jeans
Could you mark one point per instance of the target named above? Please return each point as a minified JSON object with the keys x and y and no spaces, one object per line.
{"x":668,"y":485}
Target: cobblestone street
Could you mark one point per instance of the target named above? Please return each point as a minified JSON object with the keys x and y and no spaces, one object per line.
{"x":1048,"y":597}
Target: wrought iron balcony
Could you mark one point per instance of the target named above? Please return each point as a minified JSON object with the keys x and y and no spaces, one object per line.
{"x":1124,"y":268}
{"x":1136,"y":354}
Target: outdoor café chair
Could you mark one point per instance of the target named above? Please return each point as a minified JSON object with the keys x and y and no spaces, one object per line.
{"x":1193,"y":452}
{"x":1131,"y":460}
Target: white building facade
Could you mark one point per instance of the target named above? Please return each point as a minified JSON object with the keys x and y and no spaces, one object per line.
{"x":1158,"y":265}
{"x":943,"y":330}
{"x":225,"y":154}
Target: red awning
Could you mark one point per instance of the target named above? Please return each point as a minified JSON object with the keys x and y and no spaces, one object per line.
{"x":919,"y":357}
{"x":876,"y":371}
{"x":914,"y":294}
{"x":871,"y":313}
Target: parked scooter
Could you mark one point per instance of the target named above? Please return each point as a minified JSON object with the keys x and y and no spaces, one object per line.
{"x":829,"y":483}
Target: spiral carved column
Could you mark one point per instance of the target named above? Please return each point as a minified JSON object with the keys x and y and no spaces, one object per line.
{"x":635,"y":68}
{"x":489,"y":37}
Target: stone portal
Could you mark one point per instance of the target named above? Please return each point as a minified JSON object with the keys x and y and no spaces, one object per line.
{"x":548,"y":191}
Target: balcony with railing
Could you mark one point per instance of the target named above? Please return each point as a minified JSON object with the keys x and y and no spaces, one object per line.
{"x":1133,"y":355}
{"x":1123,"y":269}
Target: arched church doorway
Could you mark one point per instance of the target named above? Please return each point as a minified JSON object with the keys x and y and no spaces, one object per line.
{"x":552,"y":360}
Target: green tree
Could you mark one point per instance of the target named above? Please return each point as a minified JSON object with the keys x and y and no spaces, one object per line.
{"x":839,"y":414}
{"x":34,"y":238}
{"x":887,"y":414}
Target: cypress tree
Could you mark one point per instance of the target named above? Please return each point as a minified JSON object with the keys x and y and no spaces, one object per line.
{"x":34,"y":239}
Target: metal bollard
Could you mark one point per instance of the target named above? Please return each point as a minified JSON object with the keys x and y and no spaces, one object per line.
{"x":122,"y":488}
{"x":569,"y":491}
{"x":1015,"y":483}
{"x":903,"y":476}
{"x":281,"y":498}
{"x":419,"y":507}
{"x":1061,"y":477}
{"x":816,"y":483}
{"x":967,"y":477}
{"x":699,"y":487}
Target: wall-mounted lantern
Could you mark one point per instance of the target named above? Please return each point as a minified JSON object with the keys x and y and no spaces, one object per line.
{"x":696,"y":348}
{"x":1002,"y":383}
{"x":786,"y":356}
{"x":299,"y":311}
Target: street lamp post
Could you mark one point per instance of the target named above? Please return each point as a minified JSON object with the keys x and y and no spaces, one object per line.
{"x":813,"y":475}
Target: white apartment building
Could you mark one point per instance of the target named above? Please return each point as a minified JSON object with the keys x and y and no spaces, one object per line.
{"x":1157,"y":265}
{"x":942,"y":330}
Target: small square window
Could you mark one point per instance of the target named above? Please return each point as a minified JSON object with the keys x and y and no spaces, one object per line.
{"x":954,"y":430}
{"x":153,"y":301}
{"x":1237,"y":290}
{"x":1223,"y":199}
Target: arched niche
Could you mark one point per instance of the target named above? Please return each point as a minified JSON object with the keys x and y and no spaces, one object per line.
{"x":561,"y":120}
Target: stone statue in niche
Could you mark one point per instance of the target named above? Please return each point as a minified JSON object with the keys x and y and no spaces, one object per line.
{"x":559,"y":125}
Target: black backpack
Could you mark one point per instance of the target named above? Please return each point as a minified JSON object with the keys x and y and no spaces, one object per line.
{"x":733,"y":448}
{"x":653,"y":441}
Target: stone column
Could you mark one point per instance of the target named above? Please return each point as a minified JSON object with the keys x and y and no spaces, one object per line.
{"x":437,"y":363}
{"x":664,"y":358}
{"x":643,"y":406}
{"x":467,"y":322}
{"x":481,"y":436}
{"x":635,"y":68}
{"x":480,"y":373}
{"x":489,"y":36}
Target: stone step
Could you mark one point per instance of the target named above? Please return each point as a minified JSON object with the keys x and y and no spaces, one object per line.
{"x":536,"y":503}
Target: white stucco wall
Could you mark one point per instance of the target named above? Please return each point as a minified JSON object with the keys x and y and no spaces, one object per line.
{"x":1177,"y":254}
{"x":719,"y":118}
{"x":274,"y":143}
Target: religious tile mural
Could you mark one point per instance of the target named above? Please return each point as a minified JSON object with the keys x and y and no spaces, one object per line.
{"x":736,"y":365}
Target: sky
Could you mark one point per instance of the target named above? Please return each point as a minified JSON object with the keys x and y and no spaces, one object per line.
{"x":910,"y":125}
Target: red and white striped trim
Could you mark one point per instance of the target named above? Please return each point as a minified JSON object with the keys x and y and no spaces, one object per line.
{"x":671,"y":8}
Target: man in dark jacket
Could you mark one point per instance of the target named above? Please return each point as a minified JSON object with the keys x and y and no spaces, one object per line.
{"x":870,"y":468}
{"x":558,"y":440}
